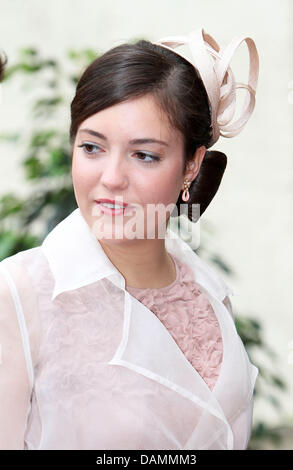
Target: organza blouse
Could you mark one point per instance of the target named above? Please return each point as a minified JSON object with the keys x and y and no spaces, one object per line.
{"x":86,"y":365}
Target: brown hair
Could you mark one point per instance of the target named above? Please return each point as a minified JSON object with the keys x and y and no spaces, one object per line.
{"x":133,"y":70}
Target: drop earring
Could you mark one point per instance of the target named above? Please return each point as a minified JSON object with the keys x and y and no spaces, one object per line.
{"x":185,"y":194}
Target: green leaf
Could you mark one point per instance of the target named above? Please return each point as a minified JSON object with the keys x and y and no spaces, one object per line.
{"x":9,"y":205}
{"x":59,"y":162}
{"x":278,"y":382}
{"x":7,"y":242}
{"x":42,"y":138}
{"x":34,"y":168}
{"x":28,"y":51}
{"x":221,"y":264}
{"x":10,"y":137}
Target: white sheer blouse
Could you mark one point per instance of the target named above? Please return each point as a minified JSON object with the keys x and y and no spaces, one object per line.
{"x":85,"y":365}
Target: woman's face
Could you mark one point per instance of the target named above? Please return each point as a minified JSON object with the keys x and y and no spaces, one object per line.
{"x":127,"y":153}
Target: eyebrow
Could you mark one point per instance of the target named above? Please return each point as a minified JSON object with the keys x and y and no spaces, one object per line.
{"x":146,"y":140}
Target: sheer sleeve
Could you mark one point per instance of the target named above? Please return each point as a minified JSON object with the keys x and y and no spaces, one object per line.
{"x":242,"y":427}
{"x":17,"y":334}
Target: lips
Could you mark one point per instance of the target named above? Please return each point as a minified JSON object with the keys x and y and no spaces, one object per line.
{"x":111,"y":201}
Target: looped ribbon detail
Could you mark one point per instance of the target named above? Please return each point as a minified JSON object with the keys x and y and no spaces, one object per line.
{"x":213,"y":67}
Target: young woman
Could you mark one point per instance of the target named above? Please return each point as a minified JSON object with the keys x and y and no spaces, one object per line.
{"x":129,"y":341}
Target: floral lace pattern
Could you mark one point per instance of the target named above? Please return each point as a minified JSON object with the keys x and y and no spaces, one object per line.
{"x":189,"y":317}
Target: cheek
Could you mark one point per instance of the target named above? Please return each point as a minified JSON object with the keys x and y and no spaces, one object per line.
{"x":83,"y":176}
{"x":164,"y":187}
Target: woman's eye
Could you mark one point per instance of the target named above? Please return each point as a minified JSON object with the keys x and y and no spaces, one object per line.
{"x":153,"y":158}
{"x":88,"y":148}
{"x":92,"y":149}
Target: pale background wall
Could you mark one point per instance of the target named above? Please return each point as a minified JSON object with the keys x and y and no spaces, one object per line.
{"x":252,"y":213}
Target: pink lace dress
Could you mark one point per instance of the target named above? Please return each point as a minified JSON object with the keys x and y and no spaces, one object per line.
{"x":188,"y":316}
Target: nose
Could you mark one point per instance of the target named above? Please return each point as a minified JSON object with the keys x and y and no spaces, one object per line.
{"x":114,"y":173}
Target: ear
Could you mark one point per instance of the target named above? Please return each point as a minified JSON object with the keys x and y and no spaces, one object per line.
{"x":194,"y":165}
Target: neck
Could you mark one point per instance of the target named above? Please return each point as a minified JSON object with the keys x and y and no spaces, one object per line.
{"x":143,"y":263}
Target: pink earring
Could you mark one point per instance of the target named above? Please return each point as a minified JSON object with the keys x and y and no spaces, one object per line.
{"x":185,"y":194}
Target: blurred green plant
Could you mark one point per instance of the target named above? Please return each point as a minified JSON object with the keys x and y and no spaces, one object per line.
{"x":47,"y":166}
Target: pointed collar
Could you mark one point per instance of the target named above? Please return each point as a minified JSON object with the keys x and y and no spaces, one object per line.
{"x":76,"y":258}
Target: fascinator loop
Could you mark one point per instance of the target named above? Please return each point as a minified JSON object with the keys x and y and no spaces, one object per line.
{"x":213,"y":66}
